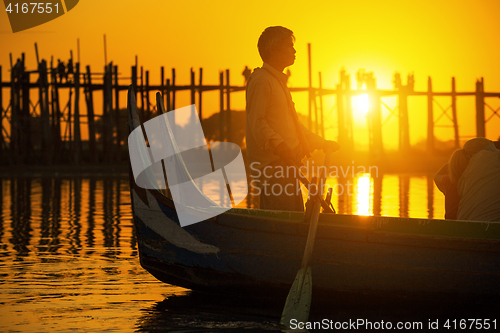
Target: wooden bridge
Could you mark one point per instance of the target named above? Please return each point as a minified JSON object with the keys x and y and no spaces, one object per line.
{"x":58,"y":126}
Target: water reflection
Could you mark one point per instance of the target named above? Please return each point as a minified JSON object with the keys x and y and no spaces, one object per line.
{"x":196,"y":312}
{"x":20,"y":208}
{"x":47,"y":214}
{"x":364,"y":189}
{"x":68,"y":255}
{"x":68,"y":258}
{"x":401,"y":195}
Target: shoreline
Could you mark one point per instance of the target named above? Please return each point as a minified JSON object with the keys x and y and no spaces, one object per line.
{"x":119,"y":170}
{"x":391,"y":163}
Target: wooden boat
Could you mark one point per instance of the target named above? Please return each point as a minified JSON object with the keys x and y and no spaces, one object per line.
{"x":258,"y":252}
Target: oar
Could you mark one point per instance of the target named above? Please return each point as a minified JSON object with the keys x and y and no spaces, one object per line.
{"x":326,"y":204}
{"x":298,"y":302}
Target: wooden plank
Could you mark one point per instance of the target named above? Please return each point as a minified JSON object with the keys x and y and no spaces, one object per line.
{"x":316,"y":118}
{"x":222,"y":133}
{"x":430,"y":117}
{"x":200,"y":93}
{"x":111,"y":125}
{"x":480,"y":117}
{"x":14,"y":114}
{"x":134,"y":80}
{"x":339,"y":99}
{"x":173,"y":89}
{"x":192,"y":89}
{"x":454,"y":113}
{"x":105,"y":52}
{"x":168,"y":102}
{"x":69,"y":140}
{"x":162,"y":87}
{"x":117,"y":120}
{"x":91,"y":118}
{"x":148,"y":103}
{"x":52,"y":109}
{"x":104,"y":122}
{"x":56,"y":114}
{"x":108,"y":117}
{"x":309,"y":68}
{"x":46,"y":121}
{"x":26,"y":148}
{"x":404,"y":139}
{"x":104,"y":117}
{"x":78,"y":139}
{"x":36,"y":53}
{"x":348,"y":114}
{"x":320,"y":96}
{"x":228,"y":127}
{"x":143,"y":108}
{"x":44,"y":111}
{"x":191,"y":86}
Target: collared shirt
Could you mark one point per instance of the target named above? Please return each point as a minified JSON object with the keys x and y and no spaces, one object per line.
{"x":270,"y":117}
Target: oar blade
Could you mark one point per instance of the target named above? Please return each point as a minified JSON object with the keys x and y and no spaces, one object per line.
{"x":298,"y":301}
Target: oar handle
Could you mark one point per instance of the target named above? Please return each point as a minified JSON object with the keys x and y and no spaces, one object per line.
{"x":313,"y":225}
{"x":327,"y":208}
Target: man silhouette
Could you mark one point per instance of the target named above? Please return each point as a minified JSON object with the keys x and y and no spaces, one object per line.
{"x":275,"y":138}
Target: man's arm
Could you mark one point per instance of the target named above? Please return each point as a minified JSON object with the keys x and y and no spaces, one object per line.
{"x":258,"y":98}
{"x":314,"y":140}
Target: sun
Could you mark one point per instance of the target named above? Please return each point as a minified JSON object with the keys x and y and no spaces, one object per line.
{"x":360,"y":108}
{"x":362,"y":103}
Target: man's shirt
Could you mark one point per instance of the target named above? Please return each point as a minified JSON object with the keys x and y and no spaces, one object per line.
{"x":271,"y":118}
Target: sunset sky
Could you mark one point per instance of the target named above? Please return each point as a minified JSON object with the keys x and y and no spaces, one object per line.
{"x":440,"y":39}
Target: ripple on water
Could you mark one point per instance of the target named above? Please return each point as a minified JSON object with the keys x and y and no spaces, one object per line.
{"x":68,"y":261}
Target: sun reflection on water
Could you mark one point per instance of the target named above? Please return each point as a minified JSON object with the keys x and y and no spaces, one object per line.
{"x":363,"y":204}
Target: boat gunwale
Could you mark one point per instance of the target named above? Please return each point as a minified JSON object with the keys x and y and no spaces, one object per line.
{"x":388,"y":225}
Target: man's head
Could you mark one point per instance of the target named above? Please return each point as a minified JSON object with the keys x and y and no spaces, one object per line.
{"x":276,"y":47}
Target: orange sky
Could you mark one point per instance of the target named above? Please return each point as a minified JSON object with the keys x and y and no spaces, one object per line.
{"x":430,"y":38}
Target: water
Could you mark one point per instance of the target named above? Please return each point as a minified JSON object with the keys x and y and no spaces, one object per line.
{"x":68,"y":259}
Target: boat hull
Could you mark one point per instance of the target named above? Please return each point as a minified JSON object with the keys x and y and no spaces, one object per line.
{"x":258,"y":253}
